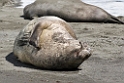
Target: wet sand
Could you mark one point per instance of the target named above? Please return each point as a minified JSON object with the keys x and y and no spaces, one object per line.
{"x":104,"y":66}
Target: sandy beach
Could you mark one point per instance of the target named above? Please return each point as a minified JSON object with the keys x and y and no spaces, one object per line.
{"x":104,"y":66}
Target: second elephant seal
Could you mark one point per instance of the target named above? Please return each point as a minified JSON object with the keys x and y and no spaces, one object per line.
{"x":72,"y":11}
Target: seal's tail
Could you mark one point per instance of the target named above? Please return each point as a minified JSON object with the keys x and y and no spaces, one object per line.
{"x":116,"y":20}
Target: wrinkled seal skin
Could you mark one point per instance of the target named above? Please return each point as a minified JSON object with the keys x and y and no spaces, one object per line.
{"x":71,"y":11}
{"x":50,"y":43}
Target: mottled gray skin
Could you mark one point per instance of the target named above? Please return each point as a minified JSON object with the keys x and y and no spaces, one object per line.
{"x":50,"y":43}
{"x":72,"y":11}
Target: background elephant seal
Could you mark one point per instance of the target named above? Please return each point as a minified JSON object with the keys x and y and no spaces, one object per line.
{"x":50,"y":43}
{"x":72,"y":11}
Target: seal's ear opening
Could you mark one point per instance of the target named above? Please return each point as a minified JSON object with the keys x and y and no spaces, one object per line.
{"x":34,"y":39}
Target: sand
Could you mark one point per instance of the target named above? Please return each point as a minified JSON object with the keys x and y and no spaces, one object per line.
{"x":106,"y":65}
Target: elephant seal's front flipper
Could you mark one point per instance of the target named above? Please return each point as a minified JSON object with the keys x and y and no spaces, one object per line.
{"x":34,"y":39}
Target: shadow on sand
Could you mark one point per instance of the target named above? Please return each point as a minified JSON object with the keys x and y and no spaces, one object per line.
{"x":14,"y":60}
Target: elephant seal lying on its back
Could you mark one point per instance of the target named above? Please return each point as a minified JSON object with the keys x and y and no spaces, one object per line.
{"x":72,"y":11}
{"x":50,"y":43}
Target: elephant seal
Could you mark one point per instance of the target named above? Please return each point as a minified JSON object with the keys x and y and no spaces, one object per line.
{"x":71,"y":11}
{"x":50,"y":43}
